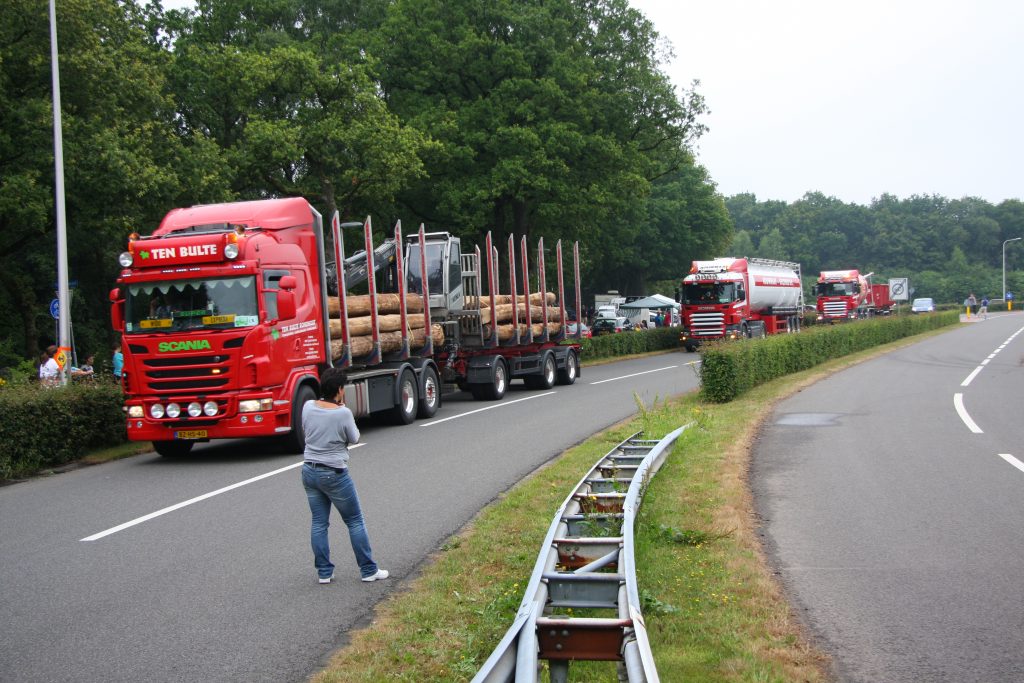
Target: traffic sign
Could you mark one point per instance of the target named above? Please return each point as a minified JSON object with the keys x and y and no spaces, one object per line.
{"x":55,"y":309}
{"x":1009,"y":296}
{"x":899,"y":288}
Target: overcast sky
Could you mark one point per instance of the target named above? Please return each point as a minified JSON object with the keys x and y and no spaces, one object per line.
{"x":854,"y":99}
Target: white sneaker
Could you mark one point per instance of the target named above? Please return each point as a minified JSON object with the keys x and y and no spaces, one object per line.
{"x":325,"y":579}
{"x":381,"y":574}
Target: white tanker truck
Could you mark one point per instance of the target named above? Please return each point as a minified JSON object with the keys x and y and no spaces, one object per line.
{"x":729,"y":298}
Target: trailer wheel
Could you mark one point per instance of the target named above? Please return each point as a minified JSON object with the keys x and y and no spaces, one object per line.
{"x":495,"y":389}
{"x":571,"y":371}
{"x":430,"y":396}
{"x":548,"y":373}
{"x":295,"y":440}
{"x":405,"y":411}
{"x":173,"y":449}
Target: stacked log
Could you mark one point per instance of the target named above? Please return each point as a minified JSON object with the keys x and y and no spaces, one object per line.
{"x":505,"y":332}
{"x":501,"y":299}
{"x":389,"y":323}
{"x":386,"y":304}
{"x":389,"y":342}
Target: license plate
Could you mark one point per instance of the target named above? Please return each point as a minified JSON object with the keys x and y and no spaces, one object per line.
{"x":190,"y":434}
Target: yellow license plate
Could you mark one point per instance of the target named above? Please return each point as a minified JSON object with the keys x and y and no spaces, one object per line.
{"x":218,"y":319}
{"x":155,"y":324}
{"x":190,"y":434}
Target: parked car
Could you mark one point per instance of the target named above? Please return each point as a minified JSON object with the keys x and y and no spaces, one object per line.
{"x":609,"y":326}
{"x":924,"y":305}
{"x":570,"y":329}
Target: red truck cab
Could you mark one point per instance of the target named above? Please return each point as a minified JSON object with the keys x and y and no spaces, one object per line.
{"x":221,"y":322}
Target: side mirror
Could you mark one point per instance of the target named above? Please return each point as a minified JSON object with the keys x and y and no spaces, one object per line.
{"x":116,"y":310}
{"x":285,"y":305}
{"x":288,"y":283}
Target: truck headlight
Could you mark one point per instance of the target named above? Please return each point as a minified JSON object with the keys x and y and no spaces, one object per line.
{"x":210,"y":408}
{"x":255,"y":405}
{"x":156,"y":411}
{"x":125,"y":259}
{"x":231,"y":251}
{"x":136,"y":411}
{"x":194,"y":409}
{"x":173,"y":410}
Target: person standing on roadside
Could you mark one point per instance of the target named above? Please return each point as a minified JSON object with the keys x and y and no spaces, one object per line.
{"x":972,"y":304}
{"x":330,"y":429}
{"x":118,"y":362}
{"x":49,"y":370}
{"x":983,"y":311}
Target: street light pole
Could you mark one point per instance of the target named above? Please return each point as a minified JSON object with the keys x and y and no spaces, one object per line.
{"x":1012,"y":239}
{"x":63,"y":292}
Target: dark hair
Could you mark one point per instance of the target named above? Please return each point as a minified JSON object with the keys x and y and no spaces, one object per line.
{"x":51,"y":350}
{"x":331,"y":382}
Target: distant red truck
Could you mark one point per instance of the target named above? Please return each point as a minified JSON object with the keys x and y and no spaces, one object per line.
{"x":847,"y":295}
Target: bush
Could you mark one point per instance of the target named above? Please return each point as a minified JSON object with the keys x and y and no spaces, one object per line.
{"x":729,"y":369}
{"x":627,"y":343}
{"x":43,"y":428}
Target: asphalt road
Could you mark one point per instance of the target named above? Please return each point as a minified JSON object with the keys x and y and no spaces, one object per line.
{"x":891,"y":497}
{"x":223,"y":587}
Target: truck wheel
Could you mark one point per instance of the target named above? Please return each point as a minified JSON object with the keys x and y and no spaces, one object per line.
{"x":571,"y":371}
{"x":494,"y":390}
{"x":173,"y":449}
{"x":405,"y":411}
{"x":548,"y":373}
{"x":430,"y":398}
{"x":295,"y":440}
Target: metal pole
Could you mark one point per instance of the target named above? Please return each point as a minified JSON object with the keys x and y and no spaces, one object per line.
{"x":1012,"y":239}
{"x":63,"y":297}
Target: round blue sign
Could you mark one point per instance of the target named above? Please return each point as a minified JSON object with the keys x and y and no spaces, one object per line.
{"x":55,"y":309}
{"x":1009,"y":296}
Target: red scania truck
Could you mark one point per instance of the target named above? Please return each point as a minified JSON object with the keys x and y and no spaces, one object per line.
{"x":729,"y":298}
{"x":228,"y":311}
{"x":846,"y":295}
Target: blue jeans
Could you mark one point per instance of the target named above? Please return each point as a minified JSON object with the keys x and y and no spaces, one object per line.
{"x":323,"y":487}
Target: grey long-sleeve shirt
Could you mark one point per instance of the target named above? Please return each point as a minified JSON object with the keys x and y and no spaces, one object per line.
{"x":329,"y":432}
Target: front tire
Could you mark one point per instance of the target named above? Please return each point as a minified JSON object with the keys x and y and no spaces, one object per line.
{"x":295,"y":441}
{"x":173,"y":449}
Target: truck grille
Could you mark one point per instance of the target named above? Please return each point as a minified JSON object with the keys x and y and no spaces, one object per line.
{"x":186,"y":373}
{"x":707,"y":325}
{"x":835,"y":309}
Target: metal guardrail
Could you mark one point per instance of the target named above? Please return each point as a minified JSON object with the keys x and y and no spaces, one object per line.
{"x":586,"y":563}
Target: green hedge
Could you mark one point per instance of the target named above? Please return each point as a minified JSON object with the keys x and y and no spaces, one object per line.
{"x":731,"y":368}
{"x":42,"y":428}
{"x":627,"y":343}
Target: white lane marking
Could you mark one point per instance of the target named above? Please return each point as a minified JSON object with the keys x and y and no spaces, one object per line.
{"x":971,"y":376}
{"x":178,"y":506}
{"x":958,"y":403}
{"x":1013,"y":461}
{"x":985,"y":362}
{"x":635,"y":374}
{"x":480,"y":410}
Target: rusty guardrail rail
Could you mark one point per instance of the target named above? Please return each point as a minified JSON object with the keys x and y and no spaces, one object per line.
{"x":586,"y":563}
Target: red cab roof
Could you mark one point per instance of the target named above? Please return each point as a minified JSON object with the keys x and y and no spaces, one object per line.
{"x":269,"y":214}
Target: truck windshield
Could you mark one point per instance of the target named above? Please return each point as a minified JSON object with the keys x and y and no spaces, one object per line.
{"x":435,"y":269}
{"x":172,"y":306}
{"x":837,"y":288}
{"x":698,"y":293}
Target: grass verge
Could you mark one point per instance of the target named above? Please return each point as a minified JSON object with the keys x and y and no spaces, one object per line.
{"x":713,"y":609}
